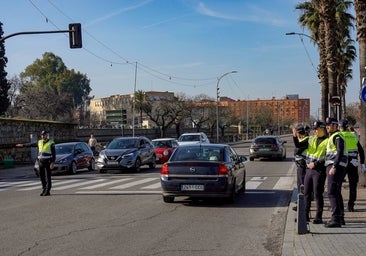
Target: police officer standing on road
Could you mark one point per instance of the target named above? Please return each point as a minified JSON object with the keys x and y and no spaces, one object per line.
{"x":335,"y":162}
{"x":315,"y":176}
{"x":354,"y":149}
{"x":46,"y":157}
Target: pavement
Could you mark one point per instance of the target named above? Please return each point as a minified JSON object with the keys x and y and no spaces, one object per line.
{"x":318,"y":240}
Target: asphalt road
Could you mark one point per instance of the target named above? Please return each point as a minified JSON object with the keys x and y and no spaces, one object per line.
{"x":124,"y":214}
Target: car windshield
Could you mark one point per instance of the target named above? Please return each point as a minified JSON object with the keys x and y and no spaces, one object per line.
{"x":123,"y":144}
{"x":197,"y":153}
{"x":189,"y":138}
{"x":162,"y":144}
{"x":63,"y":149}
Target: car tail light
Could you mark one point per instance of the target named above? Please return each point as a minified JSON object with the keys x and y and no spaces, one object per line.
{"x":223,"y":169}
{"x":164,"y":169}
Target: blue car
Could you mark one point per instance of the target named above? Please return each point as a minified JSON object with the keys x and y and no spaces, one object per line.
{"x":71,"y":157}
{"x":126,"y":153}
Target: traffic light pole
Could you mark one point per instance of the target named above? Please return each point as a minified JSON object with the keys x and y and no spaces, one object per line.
{"x":74,"y":34}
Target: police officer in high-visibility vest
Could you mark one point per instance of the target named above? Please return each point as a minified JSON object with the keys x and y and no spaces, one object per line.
{"x":335,"y":161}
{"x":315,"y":176}
{"x":354,"y":149}
{"x":46,"y":158}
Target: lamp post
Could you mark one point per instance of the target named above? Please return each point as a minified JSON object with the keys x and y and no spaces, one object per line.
{"x":217,"y":102}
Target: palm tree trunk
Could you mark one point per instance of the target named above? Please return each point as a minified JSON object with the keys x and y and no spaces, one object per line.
{"x":360,"y":6}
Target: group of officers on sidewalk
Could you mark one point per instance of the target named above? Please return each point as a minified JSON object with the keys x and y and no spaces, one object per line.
{"x":329,"y":154}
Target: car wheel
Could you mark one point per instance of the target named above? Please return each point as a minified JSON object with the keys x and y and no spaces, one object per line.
{"x":73,"y":168}
{"x":251,"y":158}
{"x":138,"y":165}
{"x":92,"y":165}
{"x":102,"y":171}
{"x":168,"y":199}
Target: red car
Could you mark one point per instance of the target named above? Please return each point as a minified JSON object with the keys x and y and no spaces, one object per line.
{"x":164,"y":148}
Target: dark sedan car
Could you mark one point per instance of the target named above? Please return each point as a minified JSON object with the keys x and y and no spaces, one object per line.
{"x":71,"y":157}
{"x":127,"y":153}
{"x":267,"y":146}
{"x":203,"y":170}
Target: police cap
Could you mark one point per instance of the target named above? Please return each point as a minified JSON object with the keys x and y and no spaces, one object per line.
{"x":318,"y":124}
{"x":331,"y":120}
{"x":343,"y":123}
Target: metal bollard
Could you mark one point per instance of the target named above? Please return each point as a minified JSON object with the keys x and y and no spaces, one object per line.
{"x":301,"y":213}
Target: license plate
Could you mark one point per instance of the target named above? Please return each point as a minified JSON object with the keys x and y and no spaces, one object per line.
{"x":189,"y":187}
{"x":112,"y":163}
{"x":264,"y":149}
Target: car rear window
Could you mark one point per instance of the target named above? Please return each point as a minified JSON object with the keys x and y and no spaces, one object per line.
{"x":265,"y":141}
{"x":198,"y":153}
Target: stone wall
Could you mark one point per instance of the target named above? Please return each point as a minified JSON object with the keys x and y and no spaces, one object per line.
{"x":14,"y":131}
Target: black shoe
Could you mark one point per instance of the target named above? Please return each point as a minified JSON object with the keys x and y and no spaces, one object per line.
{"x":43,"y":192}
{"x":343,"y":222}
{"x":332,"y":224}
{"x":46,"y":193}
{"x":294,"y":208}
{"x":351,"y":209}
{"x":317,"y":221}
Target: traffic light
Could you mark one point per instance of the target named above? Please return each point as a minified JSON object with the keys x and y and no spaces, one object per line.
{"x":75,"y":35}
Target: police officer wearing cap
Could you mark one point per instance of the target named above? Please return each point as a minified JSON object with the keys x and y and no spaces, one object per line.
{"x":335,"y":161}
{"x":354,"y":149}
{"x":315,"y":175}
{"x":46,"y":158}
{"x":300,"y":138}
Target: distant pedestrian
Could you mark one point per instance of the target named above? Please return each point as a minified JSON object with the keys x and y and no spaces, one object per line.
{"x":92,"y":143}
{"x":354,"y":149}
{"x":336,"y":161}
{"x":46,"y":158}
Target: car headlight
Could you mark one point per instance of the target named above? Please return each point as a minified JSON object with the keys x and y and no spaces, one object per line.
{"x":127,"y":155}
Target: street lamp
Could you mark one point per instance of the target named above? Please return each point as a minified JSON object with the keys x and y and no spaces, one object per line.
{"x":217,"y":102}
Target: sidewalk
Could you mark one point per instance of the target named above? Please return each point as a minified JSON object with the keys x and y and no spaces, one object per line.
{"x":348,"y":240}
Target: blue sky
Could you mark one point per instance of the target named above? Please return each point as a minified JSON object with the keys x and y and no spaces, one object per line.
{"x":181,"y":46}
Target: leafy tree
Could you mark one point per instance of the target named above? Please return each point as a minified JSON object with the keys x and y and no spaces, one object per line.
{"x":4,"y":84}
{"x":51,"y":91}
{"x":167,"y":113}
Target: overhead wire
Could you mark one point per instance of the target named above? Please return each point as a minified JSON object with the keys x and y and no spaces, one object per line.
{"x":151,"y":71}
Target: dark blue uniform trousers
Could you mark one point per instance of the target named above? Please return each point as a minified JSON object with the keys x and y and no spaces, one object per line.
{"x":335,"y":192}
{"x":314,"y":183}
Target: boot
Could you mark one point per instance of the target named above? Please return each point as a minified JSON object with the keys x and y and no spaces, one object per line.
{"x":318,"y":219}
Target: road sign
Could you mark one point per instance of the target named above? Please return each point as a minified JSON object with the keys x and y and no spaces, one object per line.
{"x":363,"y":94}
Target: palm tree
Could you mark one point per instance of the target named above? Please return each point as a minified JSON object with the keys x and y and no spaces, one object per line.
{"x":360,"y":7}
{"x":140,"y":102}
{"x":315,"y":17}
{"x":310,"y":19}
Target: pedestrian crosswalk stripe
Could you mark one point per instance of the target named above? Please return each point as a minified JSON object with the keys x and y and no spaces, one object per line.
{"x":131,"y":184}
{"x":120,"y":185}
{"x":153,"y":186}
{"x":79,"y":184}
{"x":284,"y":183}
{"x":106,"y":183}
{"x":54,"y":183}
